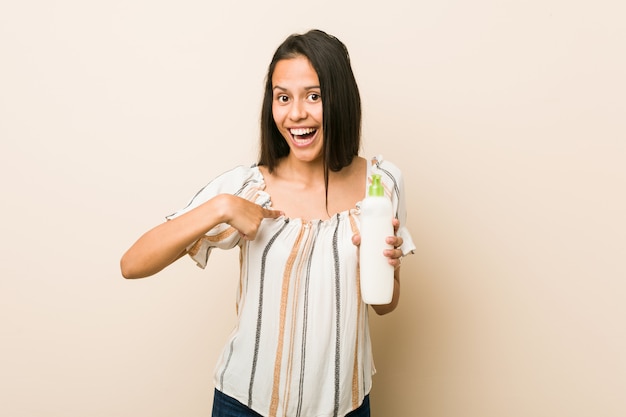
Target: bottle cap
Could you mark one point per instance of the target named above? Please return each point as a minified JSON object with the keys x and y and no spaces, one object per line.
{"x":376,"y":188}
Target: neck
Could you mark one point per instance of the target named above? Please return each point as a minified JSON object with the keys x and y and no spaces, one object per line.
{"x":304,"y":172}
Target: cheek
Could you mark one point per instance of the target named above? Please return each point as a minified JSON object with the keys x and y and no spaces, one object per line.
{"x":278,"y":115}
{"x":318,"y":113}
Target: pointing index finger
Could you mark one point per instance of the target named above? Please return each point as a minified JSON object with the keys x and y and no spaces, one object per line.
{"x":272,"y":214}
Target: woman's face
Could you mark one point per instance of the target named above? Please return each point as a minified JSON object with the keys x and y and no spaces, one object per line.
{"x":297,"y":107}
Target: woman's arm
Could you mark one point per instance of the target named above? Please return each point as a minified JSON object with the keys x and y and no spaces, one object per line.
{"x":167,"y":242}
{"x":394,"y":257}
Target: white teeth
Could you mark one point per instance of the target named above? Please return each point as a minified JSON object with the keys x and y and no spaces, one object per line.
{"x":301,"y":131}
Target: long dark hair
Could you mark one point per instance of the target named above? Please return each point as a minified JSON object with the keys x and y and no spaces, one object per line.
{"x":341,"y":101}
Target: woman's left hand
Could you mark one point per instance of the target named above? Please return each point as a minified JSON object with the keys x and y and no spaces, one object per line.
{"x":394,"y":255}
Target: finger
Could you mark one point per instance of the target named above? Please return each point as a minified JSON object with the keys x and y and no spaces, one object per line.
{"x":396,"y":224}
{"x":395,"y":241}
{"x":272,"y":214}
{"x":393,"y":254}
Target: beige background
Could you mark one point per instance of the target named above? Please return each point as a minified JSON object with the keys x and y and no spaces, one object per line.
{"x":507,"y":118}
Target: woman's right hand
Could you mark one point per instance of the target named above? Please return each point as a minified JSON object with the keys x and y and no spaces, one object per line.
{"x":244,"y":215}
{"x":167,"y":242}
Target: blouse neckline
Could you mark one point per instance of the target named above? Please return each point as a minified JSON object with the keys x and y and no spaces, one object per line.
{"x":338,"y":215}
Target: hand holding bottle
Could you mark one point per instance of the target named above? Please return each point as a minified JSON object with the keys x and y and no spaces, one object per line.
{"x":376,"y":273}
{"x":394,"y":256}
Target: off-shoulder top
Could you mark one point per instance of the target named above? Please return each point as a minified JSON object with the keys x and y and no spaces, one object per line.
{"x":301,"y":346}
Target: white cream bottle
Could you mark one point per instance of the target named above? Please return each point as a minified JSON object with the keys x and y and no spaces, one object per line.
{"x":376,"y":225}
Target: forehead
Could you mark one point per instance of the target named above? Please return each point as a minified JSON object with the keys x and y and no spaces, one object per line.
{"x":293,"y":72}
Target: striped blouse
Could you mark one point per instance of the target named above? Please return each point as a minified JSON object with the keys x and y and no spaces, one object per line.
{"x":301,"y":346}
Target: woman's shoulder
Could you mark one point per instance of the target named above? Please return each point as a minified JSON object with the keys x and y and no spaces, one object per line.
{"x":381,"y":165}
{"x":241,"y":180}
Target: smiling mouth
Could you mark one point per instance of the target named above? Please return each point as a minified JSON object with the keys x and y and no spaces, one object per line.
{"x":302,"y":134}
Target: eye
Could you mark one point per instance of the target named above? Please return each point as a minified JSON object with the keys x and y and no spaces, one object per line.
{"x":282,"y":98}
{"x":314,"y":97}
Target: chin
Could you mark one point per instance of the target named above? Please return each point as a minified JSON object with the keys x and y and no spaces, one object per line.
{"x":306,"y":156}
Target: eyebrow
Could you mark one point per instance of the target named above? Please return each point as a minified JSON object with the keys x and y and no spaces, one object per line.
{"x":313,"y":87}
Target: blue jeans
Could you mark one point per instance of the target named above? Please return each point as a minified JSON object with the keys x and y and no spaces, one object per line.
{"x":225,"y":406}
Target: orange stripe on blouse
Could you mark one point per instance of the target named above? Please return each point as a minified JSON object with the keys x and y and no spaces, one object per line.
{"x":193,"y":251}
{"x":355,"y":369}
{"x":299,"y":273}
{"x":283,"y":315}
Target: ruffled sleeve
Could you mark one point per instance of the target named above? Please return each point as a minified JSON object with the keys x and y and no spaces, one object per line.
{"x":393,"y":182}
{"x":245,"y":182}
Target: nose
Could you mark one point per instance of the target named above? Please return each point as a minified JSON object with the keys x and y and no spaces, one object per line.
{"x":297,"y":110}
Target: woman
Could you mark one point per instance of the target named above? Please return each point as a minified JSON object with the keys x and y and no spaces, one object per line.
{"x":301,"y":346}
